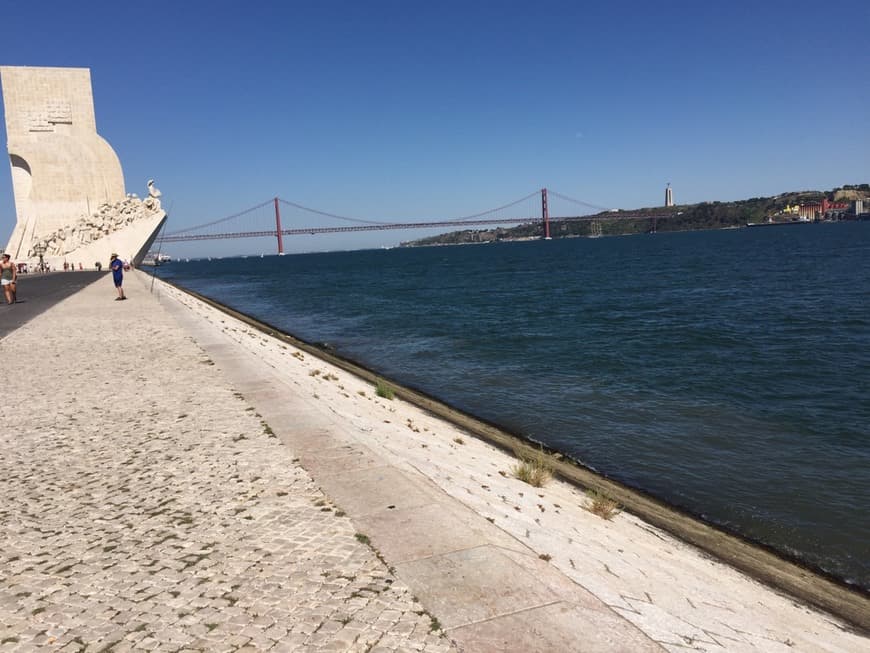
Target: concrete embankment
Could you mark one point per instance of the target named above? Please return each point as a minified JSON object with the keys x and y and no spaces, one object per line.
{"x":174,"y":478}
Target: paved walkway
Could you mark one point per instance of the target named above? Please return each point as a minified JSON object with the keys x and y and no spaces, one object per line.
{"x":39,"y":292}
{"x":143,"y":505}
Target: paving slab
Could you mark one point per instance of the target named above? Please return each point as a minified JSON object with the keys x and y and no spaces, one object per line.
{"x":324,"y":459}
{"x":550,"y":628}
{"x":428,"y":530}
{"x":473,"y":585}
{"x":365,"y":491}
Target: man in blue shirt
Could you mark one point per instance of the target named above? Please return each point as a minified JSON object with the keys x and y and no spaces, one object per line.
{"x":117,"y":267}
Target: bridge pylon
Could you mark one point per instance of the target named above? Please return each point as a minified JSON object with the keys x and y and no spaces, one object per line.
{"x":545,"y":214}
{"x":278,"y":229}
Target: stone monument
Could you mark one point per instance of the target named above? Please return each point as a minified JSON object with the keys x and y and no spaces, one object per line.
{"x":67,"y":181}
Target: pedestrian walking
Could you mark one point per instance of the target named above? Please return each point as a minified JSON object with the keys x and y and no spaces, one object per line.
{"x":9,"y":278}
{"x":117,"y":267}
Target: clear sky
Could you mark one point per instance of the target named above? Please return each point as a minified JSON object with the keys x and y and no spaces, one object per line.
{"x":410,"y":110}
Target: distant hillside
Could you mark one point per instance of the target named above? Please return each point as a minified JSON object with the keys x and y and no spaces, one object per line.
{"x":687,"y":217}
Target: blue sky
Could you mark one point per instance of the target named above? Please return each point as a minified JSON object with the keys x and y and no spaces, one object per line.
{"x":414,"y":110}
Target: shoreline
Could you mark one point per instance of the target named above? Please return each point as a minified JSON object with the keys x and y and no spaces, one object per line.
{"x":760,"y":562}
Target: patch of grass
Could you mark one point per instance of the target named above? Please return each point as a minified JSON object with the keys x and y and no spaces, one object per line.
{"x":602,"y":504}
{"x":534,"y":469}
{"x":384,"y":390}
{"x":314,"y":372}
{"x":363,"y":538}
{"x":459,"y":440}
{"x":546,"y":557}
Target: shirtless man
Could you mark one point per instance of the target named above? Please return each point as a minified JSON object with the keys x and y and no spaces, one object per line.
{"x":8,"y":278}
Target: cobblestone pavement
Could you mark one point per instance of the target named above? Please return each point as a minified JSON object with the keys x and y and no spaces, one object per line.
{"x":145,"y":506}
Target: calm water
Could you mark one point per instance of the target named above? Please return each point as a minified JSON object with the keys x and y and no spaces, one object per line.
{"x":726,"y":372}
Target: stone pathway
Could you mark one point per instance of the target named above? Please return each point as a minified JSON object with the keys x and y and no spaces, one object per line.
{"x":144,"y":505}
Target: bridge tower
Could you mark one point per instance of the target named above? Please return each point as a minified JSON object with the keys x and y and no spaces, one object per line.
{"x":278,"y":229}
{"x":545,"y":214}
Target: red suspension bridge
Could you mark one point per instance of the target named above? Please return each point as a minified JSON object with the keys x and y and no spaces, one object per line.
{"x":265,"y":219}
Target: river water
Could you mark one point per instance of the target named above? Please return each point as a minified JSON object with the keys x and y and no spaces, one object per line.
{"x":726,"y":372}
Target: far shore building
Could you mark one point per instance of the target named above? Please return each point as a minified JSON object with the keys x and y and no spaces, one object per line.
{"x":70,"y":201}
{"x":669,"y":196}
{"x":821,"y":209}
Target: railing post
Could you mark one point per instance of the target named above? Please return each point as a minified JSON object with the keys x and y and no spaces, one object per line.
{"x":278,"y":229}
{"x":545,"y":214}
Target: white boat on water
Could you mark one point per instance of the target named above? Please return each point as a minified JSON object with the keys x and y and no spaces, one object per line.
{"x":154,"y":259}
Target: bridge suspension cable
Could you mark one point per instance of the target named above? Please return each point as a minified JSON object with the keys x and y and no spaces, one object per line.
{"x":498,"y":208}
{"x":219,"y":220}
{"x":385,"y":223}
{"x":580,"y":202}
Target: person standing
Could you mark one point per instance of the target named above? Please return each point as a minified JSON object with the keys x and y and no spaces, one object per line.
{"x":9,"y":278}
{"x":117,"y":267}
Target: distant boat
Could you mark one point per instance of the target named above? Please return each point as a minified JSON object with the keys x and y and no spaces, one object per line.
{"x":154,"y":259}
{"x":777,"y":224}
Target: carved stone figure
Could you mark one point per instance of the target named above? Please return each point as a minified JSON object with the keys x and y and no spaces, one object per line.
{"x":106,"y":220}
{"x":153,"y":191}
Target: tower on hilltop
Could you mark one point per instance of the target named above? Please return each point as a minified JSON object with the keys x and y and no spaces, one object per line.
{"x":669,"y":196}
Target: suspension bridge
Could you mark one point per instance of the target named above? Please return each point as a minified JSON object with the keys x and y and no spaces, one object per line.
{"x":270,"y":219}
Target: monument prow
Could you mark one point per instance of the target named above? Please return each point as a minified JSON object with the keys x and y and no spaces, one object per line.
{"x":68,"y":184}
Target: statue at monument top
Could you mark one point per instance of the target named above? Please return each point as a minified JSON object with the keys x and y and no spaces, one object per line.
{"x":153,"y":191}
